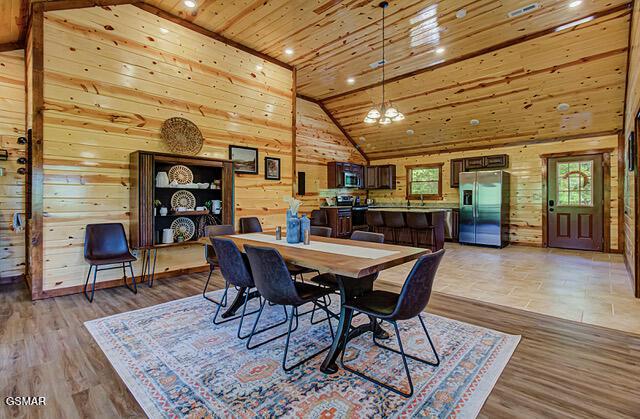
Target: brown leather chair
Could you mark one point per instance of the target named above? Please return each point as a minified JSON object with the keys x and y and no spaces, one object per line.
{"x":210,"y":254}
{"x":320,"y":231}
{"x":418,"y":223}
{"x":250,"y":225}
{"x":375,"y":221}
{"x":106,"y":244}
{"x":395,"y":222}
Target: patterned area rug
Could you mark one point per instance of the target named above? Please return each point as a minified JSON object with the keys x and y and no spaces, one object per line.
{"x":176,"y":363}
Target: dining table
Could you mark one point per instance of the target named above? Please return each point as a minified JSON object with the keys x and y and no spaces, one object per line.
{"x":355,"y":264}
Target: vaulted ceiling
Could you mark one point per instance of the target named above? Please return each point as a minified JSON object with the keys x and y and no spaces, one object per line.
{"x":444,"y":68}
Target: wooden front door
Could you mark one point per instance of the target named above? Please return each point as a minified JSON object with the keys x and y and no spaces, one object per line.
{"x":575,"y":202}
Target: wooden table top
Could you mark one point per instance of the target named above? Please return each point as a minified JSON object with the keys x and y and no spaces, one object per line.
{"x":350,"y":266}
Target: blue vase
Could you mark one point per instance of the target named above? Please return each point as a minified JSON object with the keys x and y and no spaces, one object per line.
{"x":305,"y":225}
{"x":293,"y":228}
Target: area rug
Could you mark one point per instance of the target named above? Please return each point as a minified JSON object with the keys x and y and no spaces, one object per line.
{"x":176,"y":363}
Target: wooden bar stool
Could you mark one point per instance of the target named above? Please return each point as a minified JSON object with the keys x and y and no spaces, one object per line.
{"x":418,"y":223}
{"x":394,"y":221}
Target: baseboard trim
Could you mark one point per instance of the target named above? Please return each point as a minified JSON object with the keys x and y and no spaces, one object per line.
{"x":8,"y":280}
{"x":116,"y":283}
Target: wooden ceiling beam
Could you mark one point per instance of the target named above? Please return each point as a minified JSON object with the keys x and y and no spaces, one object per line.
{"x":53,"y":5}
{"x":501,"y":45}
{"x":337,"y":124}
{"x":11,"y":46}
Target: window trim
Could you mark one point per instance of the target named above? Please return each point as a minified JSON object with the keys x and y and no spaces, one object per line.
{"x":408,"y":169}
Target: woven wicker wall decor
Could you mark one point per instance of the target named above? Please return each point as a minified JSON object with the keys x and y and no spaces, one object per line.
{"x":182,"y":136}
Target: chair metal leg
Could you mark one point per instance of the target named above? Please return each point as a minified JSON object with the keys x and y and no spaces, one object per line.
{"x":206,"y":285}
{"x":152,"y":277}
{"x":93,"y":286}
{"x":294,"y":313}
{"x":255,"y":325}
{"x":133,"y":279}
{"x":415,"y":358}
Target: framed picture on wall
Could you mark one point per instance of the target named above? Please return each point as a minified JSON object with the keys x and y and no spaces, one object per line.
{"x":631,"y":152}
{"x":245,"y":159}
{"x":272,"y":168}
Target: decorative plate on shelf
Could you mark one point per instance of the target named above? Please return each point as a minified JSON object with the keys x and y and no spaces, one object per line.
{"x":184,"y":199}
{"x":181,"y":174}
{"x":182,"y":136}
{"x":184,"y":226}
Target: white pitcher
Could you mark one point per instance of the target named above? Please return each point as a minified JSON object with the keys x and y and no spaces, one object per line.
{"x":167,"y":235}
{"x":162,"y":180}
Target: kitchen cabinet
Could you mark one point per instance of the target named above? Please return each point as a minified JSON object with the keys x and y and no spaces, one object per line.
{"x":473,"y":163}
{"x":337,"y":170}
{"x":340,"y":221}
{"x":498,"y":161}
{"x":457,"y":167}
{"x":381,"y":177}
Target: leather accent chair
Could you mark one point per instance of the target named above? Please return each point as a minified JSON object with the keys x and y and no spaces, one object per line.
{"x":106,"y":244}
{"x":250,"y":225}
{"x":319,"y":218}
{"x":394,"y":221}
{"x":375,"y":221}
{"x":236,"y":271}
{"x":367,"y":236}
{"x":210,"y":254}
{"x":272,"y":279}
{"x":418,"y":223}
{"x":392,"y":307}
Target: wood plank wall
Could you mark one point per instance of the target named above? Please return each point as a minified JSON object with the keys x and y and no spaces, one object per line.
{"x":632,"y":107}
{"x":318,"y":142}
{"x":111,"y":79}
{"x":12,"y":117}
{"x":526,"y":183}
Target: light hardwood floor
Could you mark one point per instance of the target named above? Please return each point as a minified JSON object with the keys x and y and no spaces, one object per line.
{"x":582,"y":286}
{"x":561,"y":368}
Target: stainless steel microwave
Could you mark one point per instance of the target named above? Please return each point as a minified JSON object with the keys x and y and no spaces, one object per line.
{"x":350,"y":180}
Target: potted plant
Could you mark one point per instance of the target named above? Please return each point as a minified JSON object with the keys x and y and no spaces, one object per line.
{"x":156,"y":205}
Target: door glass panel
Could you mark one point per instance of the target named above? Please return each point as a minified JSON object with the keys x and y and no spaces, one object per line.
{"x":574,"y":183}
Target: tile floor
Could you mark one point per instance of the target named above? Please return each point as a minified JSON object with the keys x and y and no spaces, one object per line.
{"x":587,"y":287}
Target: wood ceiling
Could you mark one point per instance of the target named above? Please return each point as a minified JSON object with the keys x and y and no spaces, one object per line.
{"x":12,"y":19}
{"x":510,"y":73}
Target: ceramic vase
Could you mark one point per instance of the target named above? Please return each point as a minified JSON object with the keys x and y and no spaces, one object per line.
{"x":305,"y":225}
{"x":293,"y":228}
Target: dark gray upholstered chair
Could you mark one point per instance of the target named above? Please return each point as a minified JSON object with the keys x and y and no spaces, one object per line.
{"x":274,"y":283}
{"x":391,"y":307}
{"x":367,"y":236}
{"x":210,"y":254}
{"x":104,"y":245}
{"x":375,"y":221}
{"x":250,"y":225}
{"x":320,"y":231}
{"x":236,"y":272}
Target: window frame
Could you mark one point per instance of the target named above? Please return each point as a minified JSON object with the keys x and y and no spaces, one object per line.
{"x":409,"y":169}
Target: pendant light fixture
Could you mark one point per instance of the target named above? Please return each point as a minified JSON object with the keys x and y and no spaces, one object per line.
{"x":386,"y":113}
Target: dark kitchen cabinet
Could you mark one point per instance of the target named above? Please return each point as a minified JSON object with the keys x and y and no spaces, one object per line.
{"x":474,"y":163}
{"x":336,"y":171}
{"x":457,"y":167}
{"x":381,"y":177}
{"x":340,"y":221}
{"x":498,"y":161}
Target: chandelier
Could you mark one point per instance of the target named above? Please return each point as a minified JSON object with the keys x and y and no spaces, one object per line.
{"x":386,"y":112}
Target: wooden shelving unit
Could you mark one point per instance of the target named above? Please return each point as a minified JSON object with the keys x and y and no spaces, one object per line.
{"x":145,"y":230}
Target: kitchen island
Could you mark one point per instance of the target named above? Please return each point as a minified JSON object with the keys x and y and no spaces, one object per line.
{"x":436,"y":217}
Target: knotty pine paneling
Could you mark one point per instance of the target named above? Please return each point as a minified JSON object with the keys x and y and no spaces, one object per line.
{"x":318,"y":142}
{"x":12,"y":18}
{"x":632,"y":108}
{"x":525,"y":167}
{"x":513,"y":92}
{"x":12,"y":190}
{"x":334,"y":40}
{"x":111,"y":79}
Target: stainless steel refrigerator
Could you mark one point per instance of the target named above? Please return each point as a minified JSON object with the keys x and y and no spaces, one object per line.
{"x":484,"y":208}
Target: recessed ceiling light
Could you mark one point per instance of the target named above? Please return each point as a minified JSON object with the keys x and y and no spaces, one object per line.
{"x":575,"y":3}
{"x":351,"y":80}
{"x":563,"y":107}
{"x":410,"y":132}
{"x":439,"y":50}
{"x":164,"y":30}
{"x":461,"y":13}
{"x":288,"y":51}
{"x":190,"y":3}
{"x":474,"y":122}
{"x":259,"y":67}
{"x":574,"y":23}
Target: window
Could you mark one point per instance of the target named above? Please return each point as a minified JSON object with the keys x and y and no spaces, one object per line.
{"x":574,"y":183}
{"x":424,"y":181}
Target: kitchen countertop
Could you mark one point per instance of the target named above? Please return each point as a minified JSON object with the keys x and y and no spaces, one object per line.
{"x":408,"y":209}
